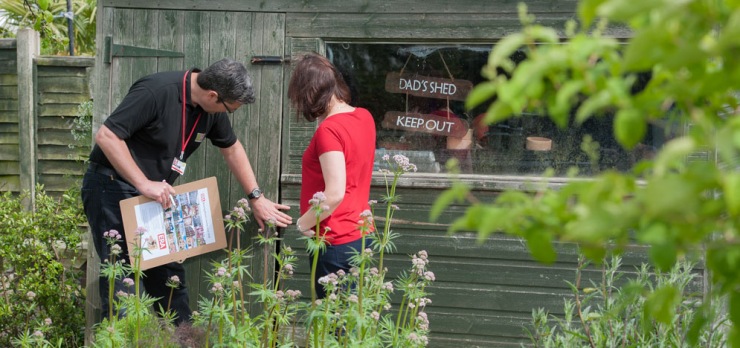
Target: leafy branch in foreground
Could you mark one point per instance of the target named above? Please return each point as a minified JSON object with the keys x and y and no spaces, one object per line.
{"x":676,"y":205}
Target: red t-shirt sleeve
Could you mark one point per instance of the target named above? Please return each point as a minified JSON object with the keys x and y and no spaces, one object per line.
{"x":327,"y":140}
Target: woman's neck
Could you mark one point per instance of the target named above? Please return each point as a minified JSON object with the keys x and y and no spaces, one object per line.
{"x":336,"y":106}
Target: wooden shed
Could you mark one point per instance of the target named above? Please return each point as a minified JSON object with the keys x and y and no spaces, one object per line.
{"x":410,"y":62}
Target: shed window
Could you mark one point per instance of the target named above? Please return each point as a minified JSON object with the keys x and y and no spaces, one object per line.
{"x":416,"y":93}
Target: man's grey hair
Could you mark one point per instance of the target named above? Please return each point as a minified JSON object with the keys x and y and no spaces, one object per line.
{"x":229,"y":79}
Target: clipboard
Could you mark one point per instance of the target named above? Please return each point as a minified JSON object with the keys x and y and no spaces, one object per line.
{"x":192,"y":227}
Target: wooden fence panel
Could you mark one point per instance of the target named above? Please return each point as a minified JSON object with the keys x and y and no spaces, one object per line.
{"x":62,"y":84}
{"x":9,"y":141}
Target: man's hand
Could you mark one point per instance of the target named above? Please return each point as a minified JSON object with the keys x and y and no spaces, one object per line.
{"x":159,"y":191}
{"x":265,"y":209}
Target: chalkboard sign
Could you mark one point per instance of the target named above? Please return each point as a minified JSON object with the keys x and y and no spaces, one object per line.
{"x":427,"y":86}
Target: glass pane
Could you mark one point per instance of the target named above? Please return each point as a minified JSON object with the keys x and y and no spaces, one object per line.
{"x":416,"y":94}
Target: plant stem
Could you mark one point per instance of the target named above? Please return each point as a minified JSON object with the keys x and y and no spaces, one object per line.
{"x":579,"y":304}
{"x":388,"y":216}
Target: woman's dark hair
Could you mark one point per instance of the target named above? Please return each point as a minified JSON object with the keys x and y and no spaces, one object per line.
{"x":315,"y":80}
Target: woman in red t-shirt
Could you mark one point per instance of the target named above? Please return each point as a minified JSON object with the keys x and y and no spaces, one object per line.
{"x":337,"y":164}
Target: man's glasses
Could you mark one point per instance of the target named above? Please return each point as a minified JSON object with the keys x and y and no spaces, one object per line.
{"x":227,"y":107}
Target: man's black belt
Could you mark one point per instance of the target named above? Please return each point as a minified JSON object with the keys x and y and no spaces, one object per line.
{"x":107,"y":171}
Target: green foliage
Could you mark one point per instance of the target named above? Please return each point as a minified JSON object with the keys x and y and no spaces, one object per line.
{"x":642,"y":309}
{"x":82,"y":129}
{"x":360,"y":317}
{"x":40,"y":294}
{"x":47,"y":17}
{"x":676,"y":205}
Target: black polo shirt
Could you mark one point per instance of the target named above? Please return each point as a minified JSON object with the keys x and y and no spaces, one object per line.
{"x":149,"y":120}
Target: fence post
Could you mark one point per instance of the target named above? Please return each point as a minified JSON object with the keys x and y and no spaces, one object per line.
{"x":29,"y":47}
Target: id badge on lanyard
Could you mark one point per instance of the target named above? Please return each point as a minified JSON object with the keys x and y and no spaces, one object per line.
{"x":179,"y":166}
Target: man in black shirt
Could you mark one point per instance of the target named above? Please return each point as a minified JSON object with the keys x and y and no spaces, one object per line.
{"x":143,"y":147}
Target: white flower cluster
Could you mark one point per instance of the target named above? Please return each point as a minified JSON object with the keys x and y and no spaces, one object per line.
{"x":404,"y":163}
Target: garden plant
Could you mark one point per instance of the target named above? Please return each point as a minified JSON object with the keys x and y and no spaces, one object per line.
{"x":41,"y":285}
{"x":611,"y":313}
{"x":681,"y":208}
{"x":358,"y":310}
{"x":48,"y":18}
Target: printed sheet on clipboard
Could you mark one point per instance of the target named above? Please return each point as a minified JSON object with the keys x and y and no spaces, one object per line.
{"x":193,"y":226}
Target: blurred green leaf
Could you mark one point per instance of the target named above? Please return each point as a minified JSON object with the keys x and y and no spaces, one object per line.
{"x":663,"y":256}
{"x":587,"y":11}
{"x":661,"y":303}
{"x":480,"y":94}
{"x":629,"y":127}
{"x":566,"y":96}
{"x":540,"y":246}
{"x":593,"y":104}
{"x":456,"y":193}
{"x":504,"y":49}
{"x":672,"y":154}
{"x":732,"y":192}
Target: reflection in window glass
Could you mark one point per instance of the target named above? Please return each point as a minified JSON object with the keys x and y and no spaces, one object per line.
{"x":417,"y":92}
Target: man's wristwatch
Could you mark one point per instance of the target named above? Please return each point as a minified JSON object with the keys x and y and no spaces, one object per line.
{"x":256,"y":193}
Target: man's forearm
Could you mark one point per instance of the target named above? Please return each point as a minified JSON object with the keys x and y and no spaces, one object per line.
{"x":117,"y":152}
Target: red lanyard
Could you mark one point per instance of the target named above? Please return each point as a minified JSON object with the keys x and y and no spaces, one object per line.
{"x":184,"y":124}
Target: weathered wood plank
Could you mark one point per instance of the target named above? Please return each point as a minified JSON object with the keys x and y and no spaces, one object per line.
{"x":9,"y":79}
{"x":170,"y":29}
{"x":61,"y":152}
{"x":9,"y":105}
{"x":8,"y":44}
{"x":354,"y":6}
{"x":9,"y":138}
{"x":62,"y":71}
{"x":61,"y":61}
{"x":58,"y":122}
{"x":56,"y":137}
{"x":120,"y":76}
{"x":9,"y":152}
{"x":64,"y":98}
{"x":10,"y":183}
{"x":9,"y":127}
{"x":103,"y":94}
{"x":8,"y":67}
{"x":8,"y":116}
{"x":9,"y":92}
{"x":478,"y":26}
{"x":145,"y":23}
{"x":62,"y":85}
{"x":9,"y":168}
{"x":56,"y":110}
{"x":62,"y":167}
{"x":59,"y":183}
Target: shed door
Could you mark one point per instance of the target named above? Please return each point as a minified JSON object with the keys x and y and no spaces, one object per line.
{"x":141,"y":42}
